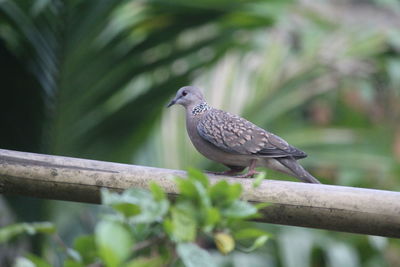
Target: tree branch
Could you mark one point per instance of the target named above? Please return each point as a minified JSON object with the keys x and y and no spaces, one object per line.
{"x":339,"y":208}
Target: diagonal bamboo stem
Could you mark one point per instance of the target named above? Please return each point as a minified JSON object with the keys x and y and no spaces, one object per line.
{"x":338,"y":208}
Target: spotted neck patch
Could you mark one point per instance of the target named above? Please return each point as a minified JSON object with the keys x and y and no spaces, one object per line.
{"x":200,"y":108}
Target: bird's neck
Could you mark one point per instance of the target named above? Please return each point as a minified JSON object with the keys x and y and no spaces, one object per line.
{"x":198,"y":109}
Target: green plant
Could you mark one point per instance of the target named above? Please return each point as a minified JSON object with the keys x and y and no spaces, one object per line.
{"x":145,"y":228}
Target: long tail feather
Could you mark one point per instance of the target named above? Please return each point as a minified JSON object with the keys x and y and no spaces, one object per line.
{"x":298,"y":171}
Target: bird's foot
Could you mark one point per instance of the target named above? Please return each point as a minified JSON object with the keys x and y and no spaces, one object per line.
{"x":226,"y":173}
{"x":252,"y":170}
{"x":250,"y":174}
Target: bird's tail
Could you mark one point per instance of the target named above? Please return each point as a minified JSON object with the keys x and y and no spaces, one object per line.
{"x":298,"y":171}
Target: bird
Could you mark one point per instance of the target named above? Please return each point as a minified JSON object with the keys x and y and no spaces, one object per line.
{"x":236,"y":142}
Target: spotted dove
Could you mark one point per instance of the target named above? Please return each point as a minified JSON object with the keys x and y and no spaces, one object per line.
{"x":236,"y":142}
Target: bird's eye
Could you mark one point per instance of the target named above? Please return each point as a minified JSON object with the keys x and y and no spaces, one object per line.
{"x":184,"y":93}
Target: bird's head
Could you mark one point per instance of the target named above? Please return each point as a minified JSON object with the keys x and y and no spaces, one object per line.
{"x":187,"y":96}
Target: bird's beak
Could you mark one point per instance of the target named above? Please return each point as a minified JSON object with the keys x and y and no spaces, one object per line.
{"x":173,"y":101}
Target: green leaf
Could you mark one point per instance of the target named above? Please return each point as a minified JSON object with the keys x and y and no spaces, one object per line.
{"x":194,"y":256}
{"x":184,"y":225}
{"x":73,"y":255}
{"x":223,"y":193}
{"x":186,"y":188}
{"x":259,"y":242}
{"x":262,"y":205}
{"x":114,"y":242}
{"x":249,"y":233}
{"x":218,"y":192}
{"x":239,"y":209}
{"x":23,"y":262}
{"x":213,"y":217}
{"x":39,"y":262}
{"x":10,"y":231}
{"x":86,"y":246}
{"x":30,"y":261}
{"x":194,"y":174}
{"x":152,"y":212}
{"x":146,"y":262}
{"x":195,"y":189}
{"x":234,"y":191}
{"x":157,"y":191}
{"x":258,"y":179}
{"x":127,"y":209}
{"x":168,"y":227}
{"x":138,"y":205}
{"x":72,"y":263}
{"x":204,"y":198}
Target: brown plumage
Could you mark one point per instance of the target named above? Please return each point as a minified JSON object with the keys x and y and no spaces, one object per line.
{"x":236,"y":142}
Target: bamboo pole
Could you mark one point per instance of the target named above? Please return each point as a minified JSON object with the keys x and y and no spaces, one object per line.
{"x":338,"y":208}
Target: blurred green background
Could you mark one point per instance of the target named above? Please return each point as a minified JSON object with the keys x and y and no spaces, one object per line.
{"x":90,"y":79}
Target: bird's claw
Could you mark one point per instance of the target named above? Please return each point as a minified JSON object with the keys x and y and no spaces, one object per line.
{"x":250,"y":174}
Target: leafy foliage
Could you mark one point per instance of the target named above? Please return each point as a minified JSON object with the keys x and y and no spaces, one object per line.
{"x":147,"y":229}
{"x":9,"y":232}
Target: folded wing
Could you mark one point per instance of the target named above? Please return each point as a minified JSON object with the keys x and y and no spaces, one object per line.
{"x":234,"y":134}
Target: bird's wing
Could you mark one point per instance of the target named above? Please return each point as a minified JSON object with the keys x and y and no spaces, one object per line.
{"x":234,"y":134}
